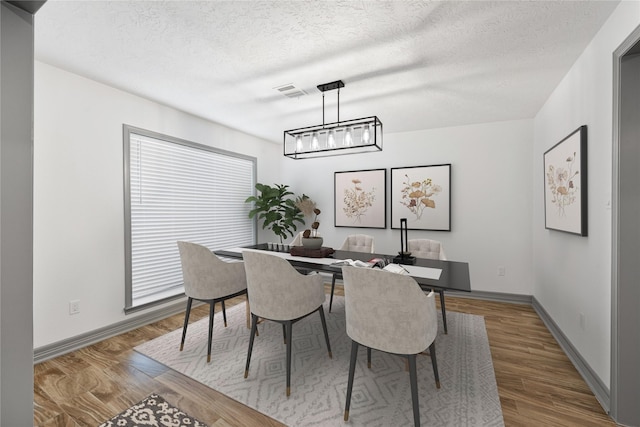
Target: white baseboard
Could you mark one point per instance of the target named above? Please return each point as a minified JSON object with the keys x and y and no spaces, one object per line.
{"x":493,"y":296}
{"x":59,"y":348}
{"x":599,"y":389}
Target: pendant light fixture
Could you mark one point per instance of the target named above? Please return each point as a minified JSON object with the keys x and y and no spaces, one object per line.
{"x":337,"y":138}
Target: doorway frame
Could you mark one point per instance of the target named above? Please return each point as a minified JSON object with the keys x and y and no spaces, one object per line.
{"x":615,"y":387}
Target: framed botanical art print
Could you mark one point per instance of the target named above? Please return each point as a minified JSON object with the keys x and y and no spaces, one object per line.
{"x":360,"y":198}
{"x":422,"y":194}
{"x":565,"y":184}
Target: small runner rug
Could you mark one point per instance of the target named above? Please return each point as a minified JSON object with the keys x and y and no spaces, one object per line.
{"x":153,"y":411}
{"x":381,"y":395}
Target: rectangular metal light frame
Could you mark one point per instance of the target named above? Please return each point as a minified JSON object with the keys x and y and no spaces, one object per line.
{"x":358,"y":146}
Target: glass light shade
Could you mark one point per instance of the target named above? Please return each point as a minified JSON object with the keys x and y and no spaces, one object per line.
{"x":331,"y":139}
{"x":366,"y":135}
{"x":348,"y":137}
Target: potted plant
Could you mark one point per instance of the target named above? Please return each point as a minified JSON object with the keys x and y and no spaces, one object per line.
{"x":310,"y":238}
{"x":276,"y":208}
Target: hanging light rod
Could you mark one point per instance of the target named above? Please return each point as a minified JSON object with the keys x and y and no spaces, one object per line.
{"x":337,"y":138}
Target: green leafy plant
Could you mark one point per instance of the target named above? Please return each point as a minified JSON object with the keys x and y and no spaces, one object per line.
{"x":276,"y":208}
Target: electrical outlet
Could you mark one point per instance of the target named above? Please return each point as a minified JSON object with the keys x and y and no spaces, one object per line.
{"x":501,"y":271}
{"x":74,"y":307}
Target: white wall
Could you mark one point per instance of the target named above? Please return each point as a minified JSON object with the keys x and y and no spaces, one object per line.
{"x":78,"y":194}
{"x":572,"y":274}
{"x":491,"y":196}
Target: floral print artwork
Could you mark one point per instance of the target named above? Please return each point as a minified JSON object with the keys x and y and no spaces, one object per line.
{"x":357,"y":201}
{"x":422,"y":195}
{"x":360,"y":198}
{"x":417,"y":196}
{"x":563,"y":185}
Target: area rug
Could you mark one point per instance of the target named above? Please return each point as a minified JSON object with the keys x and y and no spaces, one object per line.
{"x":381,"y":395}
{"x":153,"y":411}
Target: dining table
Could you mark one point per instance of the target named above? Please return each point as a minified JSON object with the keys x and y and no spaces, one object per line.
{"x":439,"y":275}
{"x":430,"y":274}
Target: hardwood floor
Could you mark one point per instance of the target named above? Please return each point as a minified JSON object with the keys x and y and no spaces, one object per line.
{"x":537,"y":383}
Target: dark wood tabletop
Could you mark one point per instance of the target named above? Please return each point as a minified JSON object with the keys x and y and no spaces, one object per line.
{"x":454,"y":276}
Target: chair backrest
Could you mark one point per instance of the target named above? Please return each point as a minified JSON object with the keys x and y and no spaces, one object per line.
{"x":206,"y":276}
{"x":358,"y":243}
{"x":388,"y":311}
{"x":426,"y":248}
{"x":277,"y":291}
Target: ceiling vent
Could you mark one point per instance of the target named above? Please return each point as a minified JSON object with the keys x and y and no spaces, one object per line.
{"x":290,"y":91}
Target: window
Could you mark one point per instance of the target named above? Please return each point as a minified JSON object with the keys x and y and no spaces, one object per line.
{"x":179,"y":190}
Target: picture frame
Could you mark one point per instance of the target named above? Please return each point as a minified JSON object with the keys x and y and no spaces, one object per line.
{"x":565,"y":184}
{"x":360,"y":198}
{"x":422,"y":194}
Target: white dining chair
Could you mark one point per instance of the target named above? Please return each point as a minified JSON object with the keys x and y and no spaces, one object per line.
{"x":389,"y":312}
{"x":430,"y":249}
{"x":279,"y":293}
{"x":354,"y":243}
{"x":208,"y":279}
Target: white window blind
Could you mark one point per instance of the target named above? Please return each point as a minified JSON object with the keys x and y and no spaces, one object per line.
{"x":179,"y":190}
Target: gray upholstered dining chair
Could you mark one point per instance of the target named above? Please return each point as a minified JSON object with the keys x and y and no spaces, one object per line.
{"x":209,"y":279}
{"x":279,"y":293}
{"x":355,"y":243}
{"x":358,"y":243}
{"x":389,"y":312}
{"x":426,"y":248}
{"x":430,"y":249}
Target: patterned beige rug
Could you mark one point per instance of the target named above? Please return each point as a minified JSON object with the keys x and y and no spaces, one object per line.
{"x":381,"y":395}
{"x":153,"y":411}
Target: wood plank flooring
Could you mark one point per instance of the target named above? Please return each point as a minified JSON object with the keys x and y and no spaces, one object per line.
{"x":537,"y":384}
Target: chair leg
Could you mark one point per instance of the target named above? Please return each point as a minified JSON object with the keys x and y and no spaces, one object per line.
{"x":224,"y":313}
{"x":444,"y":313}
{"x":333,"y":288}
{"x":284,"y":333}
{"x":247,"y":311}
{"x":212,"y":306}
{"x":352,"y":371}
{"x":186,"y":322}
{"x":413,"y":379}
{"x":254,"y":328}
{"x":434,"y":362}
{"x":369,"y":357}
{"x":289,"y":334}
{"x":324,"y":328}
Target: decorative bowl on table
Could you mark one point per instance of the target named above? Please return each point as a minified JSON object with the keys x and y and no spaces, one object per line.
{"x":312,"y":242}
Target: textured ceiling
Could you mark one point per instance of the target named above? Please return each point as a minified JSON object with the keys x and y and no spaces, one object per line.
{"x":416,"y":65}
